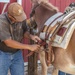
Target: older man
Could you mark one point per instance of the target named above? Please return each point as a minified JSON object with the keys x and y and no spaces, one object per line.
{"x":12,"y":30}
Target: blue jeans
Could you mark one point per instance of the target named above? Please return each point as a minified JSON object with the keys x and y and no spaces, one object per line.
{"x":14,"y":62}
{"x":63,"y":73}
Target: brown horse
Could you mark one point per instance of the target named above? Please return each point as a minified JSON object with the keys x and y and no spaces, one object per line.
{"x":64,"y":59}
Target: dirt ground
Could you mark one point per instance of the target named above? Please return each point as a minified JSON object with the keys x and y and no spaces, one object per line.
{"x":50,"y":69}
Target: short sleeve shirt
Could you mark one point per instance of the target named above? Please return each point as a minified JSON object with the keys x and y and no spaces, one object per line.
{"x":16,"y":31}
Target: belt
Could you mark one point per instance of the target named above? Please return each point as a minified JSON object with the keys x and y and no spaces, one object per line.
{"x":9,"y":51}
{"x":5,"y":48}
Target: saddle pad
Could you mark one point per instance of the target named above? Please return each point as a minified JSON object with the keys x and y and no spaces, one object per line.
{"x":62,"y":32}
{"x":52,"y":18}
{"x":67,"y":37}
{"x":48,"y":22}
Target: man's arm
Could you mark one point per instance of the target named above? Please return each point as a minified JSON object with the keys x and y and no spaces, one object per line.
{"x":14,"y":44}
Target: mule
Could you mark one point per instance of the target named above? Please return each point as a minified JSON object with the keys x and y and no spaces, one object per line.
{"x":64,"y":59}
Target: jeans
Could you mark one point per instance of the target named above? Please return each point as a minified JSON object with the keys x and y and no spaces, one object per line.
{"x":63,"y":73}
{"x":13,"y":62}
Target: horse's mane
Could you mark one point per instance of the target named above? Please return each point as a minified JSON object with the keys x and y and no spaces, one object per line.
{"x":48,"y":6}
{"x":44,"y":3}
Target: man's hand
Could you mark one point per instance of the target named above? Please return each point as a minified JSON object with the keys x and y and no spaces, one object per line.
{"x":34,"y":47}
{"x":35,"y":38}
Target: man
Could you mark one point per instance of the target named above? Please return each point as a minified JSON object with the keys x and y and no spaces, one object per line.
{"x":12,"y":30}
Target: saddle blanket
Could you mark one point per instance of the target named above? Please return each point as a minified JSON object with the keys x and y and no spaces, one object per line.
{"x":62,"y":32}
{"x":48,"y":22}
{"x":64,"y":35}
{"x":67,"y":37}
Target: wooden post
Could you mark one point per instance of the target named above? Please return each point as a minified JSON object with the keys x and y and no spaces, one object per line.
{"x":32,"y":62}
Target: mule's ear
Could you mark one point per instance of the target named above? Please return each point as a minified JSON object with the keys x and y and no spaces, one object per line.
{"x":56,"y":9}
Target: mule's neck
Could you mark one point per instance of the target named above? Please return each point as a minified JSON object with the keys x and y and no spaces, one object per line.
{"x":42,"y":14}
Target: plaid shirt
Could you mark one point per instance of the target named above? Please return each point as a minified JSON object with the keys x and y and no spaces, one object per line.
{"x":18,"y":30}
